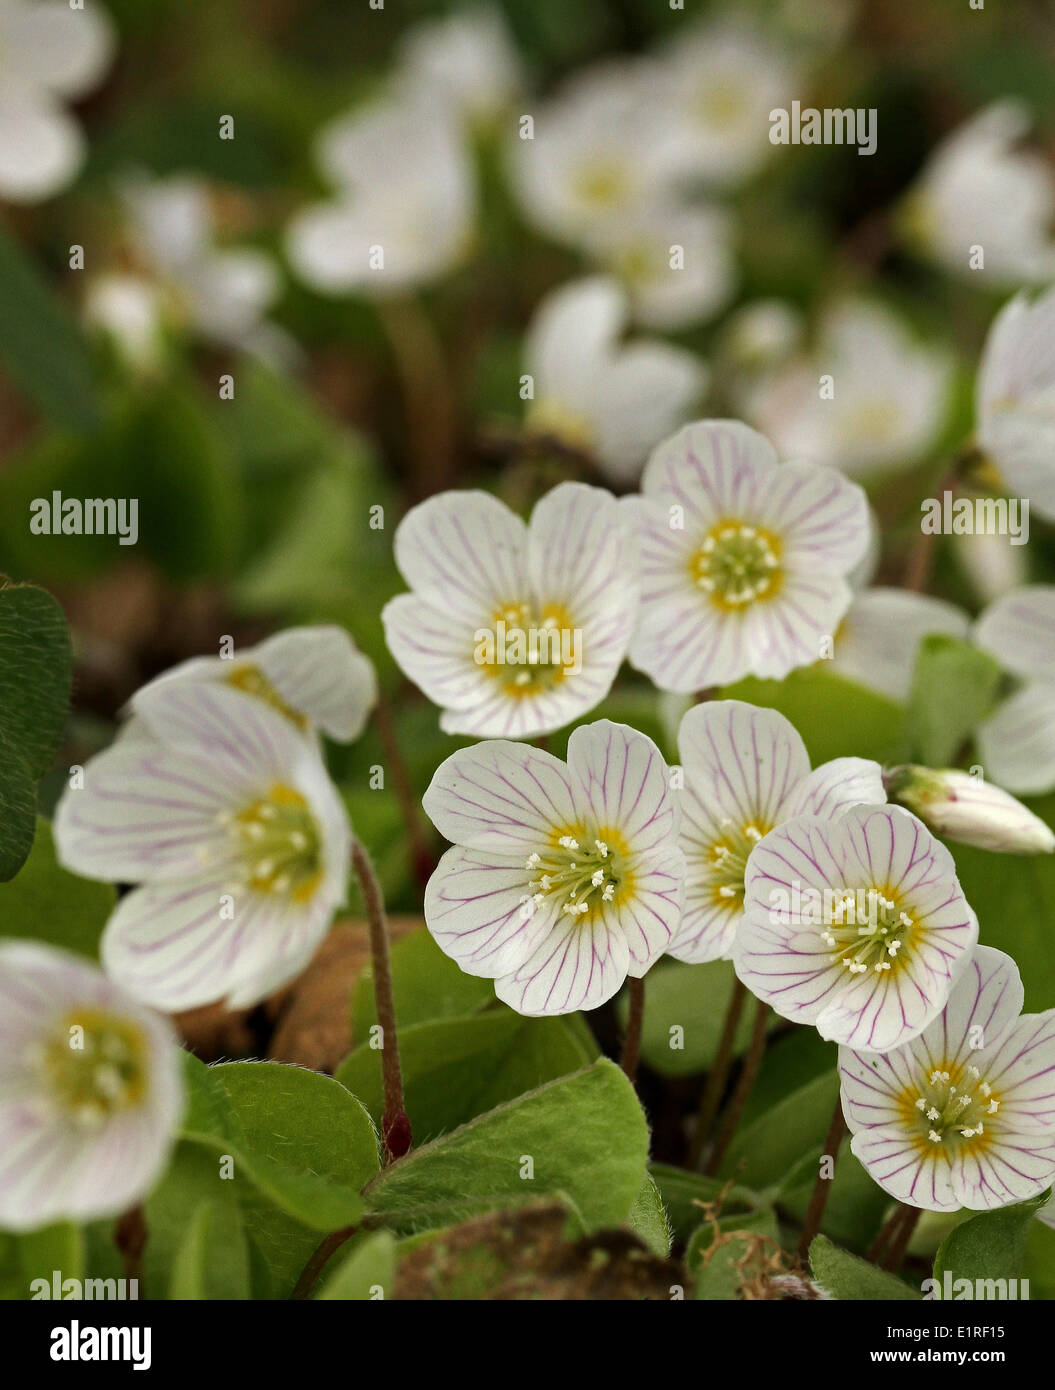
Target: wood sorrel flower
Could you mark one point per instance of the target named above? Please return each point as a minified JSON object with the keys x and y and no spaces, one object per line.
{"x":857,"y":925}
{"x":1015,"y":399}
{"x":313,"y":676}
{"x":969,"y":809}
{"x":743,"y":562}
{"x":513,"y":630}
{"x":52,"y":54}
{"x":964,"y":1114}
{"x":891,"y":401}
{"x":224,"y":813}
{"x":592,"y":391}
{"x":1017,"y":742}
{"x":746,"y":771}
{"x":564,"y":878}
{"x":90,"y":1090}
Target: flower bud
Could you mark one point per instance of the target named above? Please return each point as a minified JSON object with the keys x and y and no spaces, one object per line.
{"x":970,"y":810}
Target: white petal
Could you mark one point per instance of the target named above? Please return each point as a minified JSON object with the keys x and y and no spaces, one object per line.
{"x":169,"y":945}
{"x":820,"y":516}
{"x":877,"y":641}
{"x":741,"y":762}
{"x":836,"y":786}
{"x":1019,"y":630}
{"x":625,"y":785}
{"x":464,"y":553}
{"x":41,"y":148}
{"x":713,"y":468}
{"x":475,"y":908}
{"x":48,"y":43}
{"x":501,"y":796}
{"x":143,"y":812}
{"x":1017,"y":743}
{"x":578,"y":965}
{"x":900,"y":1167}
{"x":320,"y":672}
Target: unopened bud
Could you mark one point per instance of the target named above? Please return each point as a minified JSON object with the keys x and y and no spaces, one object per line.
{"x":970,"y":810}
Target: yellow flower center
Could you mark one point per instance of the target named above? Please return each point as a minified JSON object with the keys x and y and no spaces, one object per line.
{"x":737,"y":564}
{"x":951,"y":1107}
{"x":581,"y":869}
{"x":726,"y":859}
{"x":279,"y":844}
{"x":868,"y":931}
{"x":95,"y":1064}
{"x":602,"y":185}
{"x":529,"y":650}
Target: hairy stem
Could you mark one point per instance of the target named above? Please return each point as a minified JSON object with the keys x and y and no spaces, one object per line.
{"x":322,"y":1253}
{"x":719,"y":1073}
{"x":823,"y":1185}
{"x":409,"y":804}
{"x":632,"y":1041}
{"x":744,"y":1085}
{"x":395,"y":1125}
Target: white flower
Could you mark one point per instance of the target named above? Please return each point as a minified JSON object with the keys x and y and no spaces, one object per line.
{"x":858,"y":926}
{"x":314,"y":676}
{"x":600,"y":152}
{"x":890,"y":395}
{"x":978,"y":190}
{"x":969,"y":809}
{"x":222,"y":294}
{"x":90,"y":1091}
{"x":742,"y":561}
{"x":677,"y":263}
{"x":963,"y":1115}
{"x":611,"y":399}
{"x":1015,"y":399}
{"x":49,"y":53}
{"x":405,"y":204}
{"x":725,"y":79}
{"x":513,"y":630}
{"x":466,"y":59}
{"x":565,"y":877}
{"x":746,"y":771}
{"x":131,"y":311}
{"x":761,"y":334}
{"x":877,"y":641}
{"x":224,"y":814}
{"x":1017,"y":742}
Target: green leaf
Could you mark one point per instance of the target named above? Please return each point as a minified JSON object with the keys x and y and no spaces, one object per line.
{"x":189,"y":1277}
{"x":303,"y":1149}
{"x":848,"y":1277}
{"x":41,"y":346}
{"x":1039,"y":1264}
{"x":685,"y":1009}
{"x":684,"y":1193}
{"x":426,"y":985}
{"x":720,"y":1274}
{"x":454,"y":1069}
{"x":1014,"y":897}
{"x":836,"y":717}
{"x":584,"y":1135}
{"x":44,"y":902}
{"x":368,"y":1266}
{"x":991,"y":1245}
{"x":766,"y":1152}
{"x":648,"y":1219}
{"x":59,"y":1247}
{"x":192,"y":1181}
{"x":954,"y":686}
{"x":35,"y":676}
